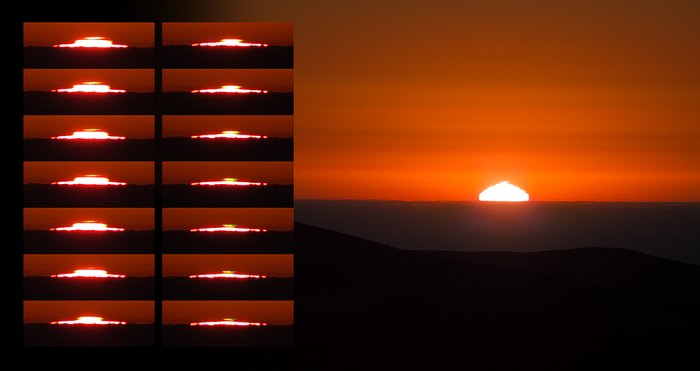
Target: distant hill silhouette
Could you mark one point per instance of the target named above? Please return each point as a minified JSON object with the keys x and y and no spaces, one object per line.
{"x":130,"y":335}
{"x":48,"y":103}
{"x":185,"y":195}
{"x":51,"y":242}
{"x":186,"y":103}
{"x":186,"y":242}
{"x":185,"y":288}
{"x":360,"y":305}
{"x":269,"y":149}
{"x":665,"y":229}
{"x":49,"y":195}
{"x":44,"y":149}
{"x":186,"y":56}
{"x":191,"y":336}
{"x":50,"y":57}
{"x":47,"y":288}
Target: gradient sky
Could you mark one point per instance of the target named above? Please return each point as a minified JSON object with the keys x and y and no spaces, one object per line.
{"x":273,"y":80}
{"x":271,"y":265}
{"x":131,"y":172}
{"x":276,"y":312}
{"x":188,"y":33}
{"x":128,"y":33}
{"x":587,"y":100}
{"x":132,"y":265}
{"x":131,"y":80}
{"x":130,"y":311}
{"x":186,"y":172}
{"x":274,"y":219}
{"x":186,"y":126}
{"x":129,"y":218}
{"x":132,"y":127}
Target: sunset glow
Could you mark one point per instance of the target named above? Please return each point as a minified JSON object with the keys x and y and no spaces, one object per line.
{"x":89,"y":134}
{"x":89,"y":180}
{"x":226,"y":274}
{"x":88,"y":320}
{"x":504,"y":192}
{"x":227,"y":182}
{"x":90,"y":87}
{"x":91,"y":42}
{"x":228,"y":134}
{"x":88,"y":226}
{"x":88,"y":273}
{"x":228,"y":322}
{"x":230,"y":89}
{"x":228,"y":228}
{"x":229,"y":42}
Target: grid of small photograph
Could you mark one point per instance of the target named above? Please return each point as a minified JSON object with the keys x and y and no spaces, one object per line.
{"x":158,"y":198}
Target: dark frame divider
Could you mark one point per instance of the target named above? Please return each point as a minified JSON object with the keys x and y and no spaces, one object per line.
{"x":158,"y":180}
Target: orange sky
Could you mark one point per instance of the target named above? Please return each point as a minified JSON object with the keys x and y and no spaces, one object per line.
{"x":131,"y":80}
{"x":188,"y":33}
{"x":186,"y":172}
{"x":132,"y":265}
{"x":129,"y":218}
{"x":131,"y":172}
{"x":572,"y":100}
{"x":273,"y":80}
{"x":274,"y":219}
{"x":50,"y":126}
{"x":48,"y":33}
{"x":271,"y":265}
{"x":130,"y":311}
{"x":185,"y":126}
{"x":277,"y":312}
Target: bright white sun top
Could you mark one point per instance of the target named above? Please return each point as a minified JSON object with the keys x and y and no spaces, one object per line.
{"x":91,"y":42}
{"x":504,"y":191}
{"x":229,"y":42}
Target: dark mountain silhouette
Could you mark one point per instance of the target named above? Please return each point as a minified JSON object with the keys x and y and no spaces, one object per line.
{"x":128,"y":288}
{"x":186,"y":242}
{"x":665,"y":229}
{"x":36,"y":241}
{"x":186,"y":56}
{"x":49,"y":103}
{"x":50,"y":195}
{"x":186,"y":103}
{"x":253,"y":336}
{"x":50,"y":57}
{"x":44,"y":149}
{"x":185,"y":195}
{"x":185,"y":288}
{"x":360,"y":304}
{"x":268,"y":149}
{"x":129,"y":335}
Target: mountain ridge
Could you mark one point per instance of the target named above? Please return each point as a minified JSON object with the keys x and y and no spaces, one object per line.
{"x":361,"y":303}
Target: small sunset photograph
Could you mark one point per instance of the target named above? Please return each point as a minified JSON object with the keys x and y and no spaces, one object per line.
{"x":88,"y":230}
{"x":228,"y":138}
{"x":228,"y":184}
{"x":88,"y":91}
{"x":266,"y":230}
{"x":89,"y":45}
{"x":228,"y":91}
{"x":88,"y":138}
{"x":228,"y":276}
{"x":88,"y":184}
{"x":88,"y":277}
{"x":228,"y":45}
{"x":88,"y":323}
{"x":235,"y":323}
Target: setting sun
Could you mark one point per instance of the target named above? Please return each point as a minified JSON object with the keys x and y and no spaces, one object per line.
{"x":504,"y":191}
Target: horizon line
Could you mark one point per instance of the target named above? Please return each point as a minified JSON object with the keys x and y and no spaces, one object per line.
{"x":487,"y":202}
